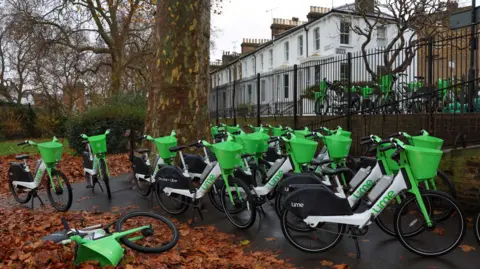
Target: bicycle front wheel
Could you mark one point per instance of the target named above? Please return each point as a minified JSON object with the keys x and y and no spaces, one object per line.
{"x":60,"y":193}
{"x":476,"y":228}
{"x":242,"y":211}
{"x":214,"y":195}
{"x":439,"y":239}
{"x":160,"y":235}
{"x":104,"y":174}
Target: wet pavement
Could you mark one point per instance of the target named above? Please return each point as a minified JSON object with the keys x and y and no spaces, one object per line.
{"x":378,"y":250}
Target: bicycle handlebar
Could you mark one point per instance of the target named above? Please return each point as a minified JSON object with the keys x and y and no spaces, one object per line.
{"x":388,"y":148}
{"x":395,"y":135}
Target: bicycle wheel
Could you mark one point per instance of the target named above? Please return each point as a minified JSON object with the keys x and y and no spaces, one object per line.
{"x":104,"y":175}
{"x":385,"y":220}
{"x":58,"y":201}
{"x":143,"y":186}
{"x":319,"y":239}
{"x":321,"y":108}
{"x":443,"y":237}
{"x":174,"y":204}
{"x":21,"y":194}
{"x":214,"y":194}
{"x":476,"y":228}
{"x":160,"y":236}
{"x":242,"y":212}
{"x":292,"y":221}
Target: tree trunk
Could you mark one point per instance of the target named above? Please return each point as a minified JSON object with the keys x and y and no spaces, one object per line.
{"x":116,"y":77}
{"x":178,"y":96}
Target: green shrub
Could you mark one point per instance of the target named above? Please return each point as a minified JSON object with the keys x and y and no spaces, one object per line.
{"x":118,"y":114}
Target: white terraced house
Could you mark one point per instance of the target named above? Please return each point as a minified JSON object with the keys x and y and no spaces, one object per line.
{"x":327,"y":34}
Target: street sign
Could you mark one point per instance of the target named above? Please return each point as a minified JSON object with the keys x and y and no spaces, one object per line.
{"x":463,"y":19}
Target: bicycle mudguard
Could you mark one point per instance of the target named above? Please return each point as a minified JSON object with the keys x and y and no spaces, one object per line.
{"x":316,"y":200}
{"x":195,"y":163}
{"x":302,"y":178}
{"x":87,"y":162}
{"x":18,"y":173}
{"x":171,"y":176}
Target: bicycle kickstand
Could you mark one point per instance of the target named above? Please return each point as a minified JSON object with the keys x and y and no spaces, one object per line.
{"x":196,"y":207}
{"x":357,"y":247}
{"x":35,"y":195}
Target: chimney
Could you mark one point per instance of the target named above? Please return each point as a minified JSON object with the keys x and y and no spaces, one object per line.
{"x":365,"y":6}
{"x":316,"y":12}
{"x":452,"y":5}
{"x":249,"y":44}
{"x":229,"y":57}
{"x":279,"y":26}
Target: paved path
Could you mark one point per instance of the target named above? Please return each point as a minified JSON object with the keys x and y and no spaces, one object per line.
{"x":378,"y":250}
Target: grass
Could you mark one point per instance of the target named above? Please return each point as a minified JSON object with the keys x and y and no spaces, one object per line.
{"x":10,"y":146}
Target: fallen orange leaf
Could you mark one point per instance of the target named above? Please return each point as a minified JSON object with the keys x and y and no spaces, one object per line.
{"x":467,"y":248}
{"x":271,"y":238}
{"x":326,"y":263}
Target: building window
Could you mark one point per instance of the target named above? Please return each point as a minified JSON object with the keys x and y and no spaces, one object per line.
{"x":245,"y":69}
{"x":287,"y":49}
{"x":344,"y":71}
{"x":262,"y":91}
{"x":381,"y":32}
{"x":308,"y":76}
{"x":344,"y":33}
{"x":229,"y":75}
{"x":317,"y":74}
{"x":249,"y":93}
{"x":285,"y":85}
{"x":300,"y":45}
{"x":271,"y":56}
{"x":316,"y":35}
{"x":261,"y":61}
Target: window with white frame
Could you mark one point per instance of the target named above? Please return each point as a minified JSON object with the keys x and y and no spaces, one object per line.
{"x":345,"y":32}
{"x":253,"y":65}
{"x":300,"y":45}
{"x":344,"y":72}
{"x":261,"y":61}
{"x":262,"y":91}
{"x":286,"y":86}
{"x":286,"y":50}
{"x":381,"y":32}
{"x":271,"y":56}
{"x":245,"y":66}
{"x":316,"y":35}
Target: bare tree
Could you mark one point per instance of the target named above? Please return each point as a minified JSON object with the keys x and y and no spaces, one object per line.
{"x":412,"y":21}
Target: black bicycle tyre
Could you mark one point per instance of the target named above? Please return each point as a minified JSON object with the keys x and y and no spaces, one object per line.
{"x":69,"y":191}
{"x":169,"y":223}
{"x":149,"y":187}
{"x":476,"y":228}
{"x":103,"y":171}
{"x":14,"y":193}
{"x":401,"y":237}
{"x":318,"y":107}
{"x":297,"y":246}
{"x":214,"y":193}
{"x":182,"y":199}
{"x":250,"y":200}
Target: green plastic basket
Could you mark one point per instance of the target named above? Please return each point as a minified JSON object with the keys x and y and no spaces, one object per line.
{"x":98,"y":143}
{"x":344,"y":133}
{"x":426,"y":141}
{"x":228,"y":154}
{"x":366,"y":91}
{"x":303,"y":150}
{"x":265,"y":130}
{"x":255,"y":143}
{"x":338,"y":146}
{"x":232,"y":129}
{"x":278,"y":131}
{"x":51,"y":152}
{"x":163,"y":146}
{"x":302,"y":134}
{"x":424,"y":162}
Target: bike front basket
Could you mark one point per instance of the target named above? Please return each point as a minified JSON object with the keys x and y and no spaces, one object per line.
{"x":228,"y":154}
{"x":51,"y":152}
{"x":302,"y":134}
{"x":338,"y":146}
{"x":303,"y":150}
{"x":255,"y":143}
{"x":278,"y":131}
{"x":426,"y":141}
{"x":232,"y":129}
{"x":98,"y":143}
{"x":423,"y":162}
{"x":344,"y":133}
{"x":163,"y":146}
{"x":107,"y":251}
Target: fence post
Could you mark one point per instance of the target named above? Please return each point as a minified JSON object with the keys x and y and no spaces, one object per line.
{"x":295,"y":99}
{"x":233,"y":105}
{"x":258,"y":99}
{"x":473,"y":47}
{"x":349,"y":90}
{"x":430,"y":84}
{"x":216,"y":108}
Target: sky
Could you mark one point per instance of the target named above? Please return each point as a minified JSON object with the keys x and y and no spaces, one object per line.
{"x":250,"y":19}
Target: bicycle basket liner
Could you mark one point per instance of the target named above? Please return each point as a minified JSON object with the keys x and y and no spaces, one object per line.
{"x":105,"y":250}
{"x":232,"y":129}
{"x":278,"y":131}
{"x":423,"y":162}
{"x":98,"y":143}
{"x":303,"y":150}
{"x":426,"y":141}
{"x":338,"y":146}
{"x":255,"y":143}
{"x":302,"y":134}
{"x":51,"y":152}
{"x":164,"y":144}
{"x":229,"y":154}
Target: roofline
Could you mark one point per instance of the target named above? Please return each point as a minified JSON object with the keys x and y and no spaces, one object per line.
{"x":284,"y":34}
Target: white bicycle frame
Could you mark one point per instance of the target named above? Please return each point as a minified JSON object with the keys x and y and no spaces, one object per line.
{"x":39,"y":173}
{"x":362,"y":219}
{"x":274,"y":179}
{"x":93,"y":158}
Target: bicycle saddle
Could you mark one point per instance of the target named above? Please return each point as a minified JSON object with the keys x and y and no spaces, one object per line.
{"x":367,"y":161}
{"x":320,"y":162}
{"x":22,"y":157}
{"x":142,"y":151}
{"x":177,"y":148}
{"x":333,"y":172}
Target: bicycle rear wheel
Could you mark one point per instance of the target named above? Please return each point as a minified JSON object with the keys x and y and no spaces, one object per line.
{"x":242,"y":212}
{"x":476,"y":228}
{"x":21,"y":194}
{"x":214,"y":194}
{"x":160,"y":236}
{"x":104,"y":174}
{"x":443,"y":237}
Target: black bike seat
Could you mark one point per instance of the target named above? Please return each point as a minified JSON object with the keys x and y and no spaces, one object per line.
{"x":333,"y":172}
{"x":22,"y":157}
{"x":320,"y":162}
{"x":177,"y":148}
{"x":367,"y":161}
{"x":142,"y":151}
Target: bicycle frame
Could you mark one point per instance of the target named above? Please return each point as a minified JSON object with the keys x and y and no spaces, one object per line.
{"x":274,"y":179}
{"x":96,"y":163}
{"x":39,"y":173}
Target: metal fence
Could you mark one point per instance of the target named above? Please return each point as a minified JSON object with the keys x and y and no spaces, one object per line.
{"x":424,"y":78}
